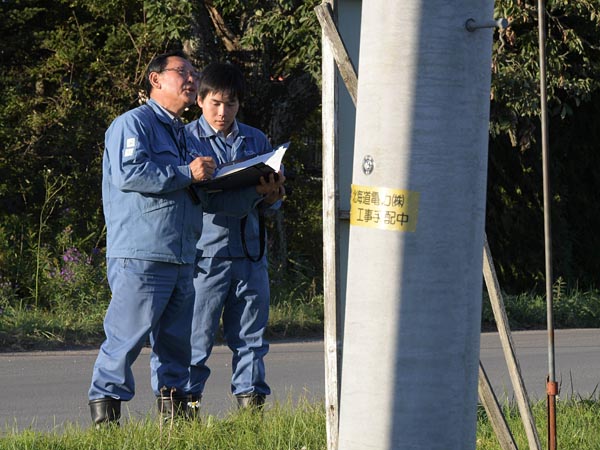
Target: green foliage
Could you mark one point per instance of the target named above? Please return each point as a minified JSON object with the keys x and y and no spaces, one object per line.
{"x":286,"y":30}
{"x":285,"y":33}
{"x":74,"y":296}
{"x":515,"y":204}
{"x":24,"y":327}
{"x":69,"y":67}
{"x":572,"y":55}
{"x":169,"y":18}
{"x":296,"y":306}
{"x":303,"y":211}
{"x":77,"y":281}
{"x":572,"y":308}
{"x":75,"y":289}
{"x":514,"y":219}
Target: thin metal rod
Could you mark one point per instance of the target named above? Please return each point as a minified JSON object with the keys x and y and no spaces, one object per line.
{"x":551,"y":381}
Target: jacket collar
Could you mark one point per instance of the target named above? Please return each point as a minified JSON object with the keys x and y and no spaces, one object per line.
{"x":163,"y":115}
{"x":205,"y":130}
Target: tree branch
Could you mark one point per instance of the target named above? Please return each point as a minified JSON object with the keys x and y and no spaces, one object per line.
{"x":229,"y":39}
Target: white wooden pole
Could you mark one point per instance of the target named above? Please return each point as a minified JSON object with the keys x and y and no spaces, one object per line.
{"x":330,"y":240}
{"x":413,"y":304}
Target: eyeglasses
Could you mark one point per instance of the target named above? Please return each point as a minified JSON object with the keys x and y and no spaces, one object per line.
{"x":185,"y":73}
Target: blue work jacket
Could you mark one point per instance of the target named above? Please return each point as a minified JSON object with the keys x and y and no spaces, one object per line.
{"x":146,"y":181}
{"x":221,"y":236}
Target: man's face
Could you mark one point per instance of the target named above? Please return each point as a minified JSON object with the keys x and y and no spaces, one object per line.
{"x":219,"y":109}
{"x":178,"y":84}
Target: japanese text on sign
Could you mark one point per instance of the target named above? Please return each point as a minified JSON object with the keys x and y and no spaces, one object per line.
{"x":388,"y":209}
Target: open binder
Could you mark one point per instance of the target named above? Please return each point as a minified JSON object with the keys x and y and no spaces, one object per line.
{"x":247,"y":172}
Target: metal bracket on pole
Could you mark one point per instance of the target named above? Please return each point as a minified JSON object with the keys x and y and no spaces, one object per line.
{"x":472,"y":25}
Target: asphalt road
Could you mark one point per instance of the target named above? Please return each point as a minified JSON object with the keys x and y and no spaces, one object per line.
{"x":47,"y":390}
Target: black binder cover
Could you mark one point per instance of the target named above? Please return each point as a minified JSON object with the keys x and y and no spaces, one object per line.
{"x":245,"y":173}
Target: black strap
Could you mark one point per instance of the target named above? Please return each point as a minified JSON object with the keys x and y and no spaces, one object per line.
{"x":262,"y":234}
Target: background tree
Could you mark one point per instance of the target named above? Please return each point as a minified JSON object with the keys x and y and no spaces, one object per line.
{"x":68,"y":68}
{"x":277,"y":45}
{"x":514,"y":208}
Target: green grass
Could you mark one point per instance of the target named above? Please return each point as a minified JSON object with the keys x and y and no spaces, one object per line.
{"x":577,"y":425}
{"x":572,"y":308}
{"x":74,"y":298}
{"x":33,"y":328}
{"x":293,"y":313}
{"x":30,"y":328}
{"x":280,"y":427}
{"x":299,"y":427}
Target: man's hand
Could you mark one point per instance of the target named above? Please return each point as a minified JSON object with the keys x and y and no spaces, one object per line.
{"x":271,"y":189}
{"x":203,"y":168}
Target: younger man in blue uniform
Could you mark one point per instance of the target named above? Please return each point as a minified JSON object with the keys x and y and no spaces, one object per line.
{"x":231,"y":274}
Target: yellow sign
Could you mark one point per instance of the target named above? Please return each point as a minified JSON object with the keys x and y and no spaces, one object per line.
{"x":383,"y":208}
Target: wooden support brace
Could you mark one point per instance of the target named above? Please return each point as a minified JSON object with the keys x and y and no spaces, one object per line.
{"x":343,"y":61}
{"x":492,"y":408}
{"x":491,"y":281}
{"x":332,"y":345}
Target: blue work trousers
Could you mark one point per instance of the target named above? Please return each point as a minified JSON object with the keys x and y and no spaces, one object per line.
{"x":149,"y":299}
{"x":237,"y":289}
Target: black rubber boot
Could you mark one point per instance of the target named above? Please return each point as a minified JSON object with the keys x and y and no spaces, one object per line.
{"x":251,"y":401}
{"x":171,"y":405}
{"x":105,"y":411}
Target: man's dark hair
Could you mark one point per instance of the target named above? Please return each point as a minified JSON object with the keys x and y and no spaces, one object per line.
{"x":222,"y":77}
{"x":158,"y":64}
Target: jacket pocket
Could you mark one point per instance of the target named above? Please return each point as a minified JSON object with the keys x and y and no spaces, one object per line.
{"x":155,"y":203}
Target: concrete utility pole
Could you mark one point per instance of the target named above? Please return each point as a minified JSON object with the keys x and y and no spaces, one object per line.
{"x":413,"y":305}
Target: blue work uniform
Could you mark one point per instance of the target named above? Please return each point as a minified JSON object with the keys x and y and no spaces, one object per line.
{"x":153,"y":221}
{"x":231,"y":280}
